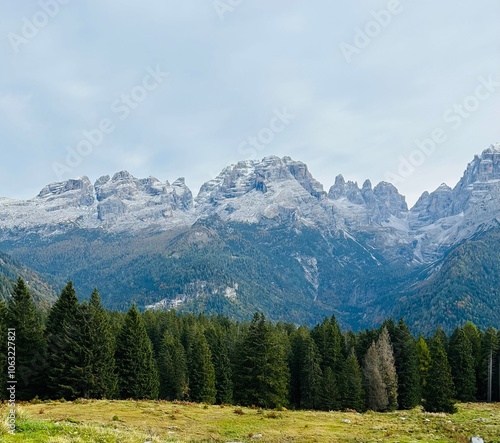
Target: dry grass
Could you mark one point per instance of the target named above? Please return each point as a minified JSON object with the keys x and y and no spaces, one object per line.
{"x":141,"y":421}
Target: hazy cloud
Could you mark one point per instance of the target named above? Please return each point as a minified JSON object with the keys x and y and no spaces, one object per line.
{"x":226,"y":78}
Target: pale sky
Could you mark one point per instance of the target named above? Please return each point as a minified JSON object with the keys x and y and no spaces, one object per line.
{"x":346,"y":87}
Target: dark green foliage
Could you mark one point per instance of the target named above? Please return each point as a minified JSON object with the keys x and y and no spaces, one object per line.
{"x":462,"y":366}
{"x":218,"y":343}
{"x":136,"y":368}
{"x":465,"y":285}
{"x":201,"y":357}
{"x":329,"y":341}
{"x":103,"y":380}
{"x":351,"y":386}
{"x":407,"y":367}
{"x":439,"y":391}
{"x":90,"y":372}
{"x":62,"y":351}
{"x":475,"y":336}
{"x":201,"y":372}
{"x":440,"y":335}
{"x":489,"y":346}
{"x":30,"y":343}
{"x":261,"y":373}
{"x":309,"y":390}
{"x":172,"y":366}
{"x":329,"y":395}
{"x":11,"y":270}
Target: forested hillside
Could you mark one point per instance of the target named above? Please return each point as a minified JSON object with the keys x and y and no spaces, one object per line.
{"x":43,"y":293}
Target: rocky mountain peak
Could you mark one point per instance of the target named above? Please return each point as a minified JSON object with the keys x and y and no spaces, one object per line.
{"x":481,"y":180}
{"x":73,"y":192}
{"x":348,"y":190}
{"x":241,"y":178}
{"x":367,"y":185}
{"x":431,"y":207}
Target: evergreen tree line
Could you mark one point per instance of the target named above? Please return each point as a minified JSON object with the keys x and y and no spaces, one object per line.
{"x":80,"y":350}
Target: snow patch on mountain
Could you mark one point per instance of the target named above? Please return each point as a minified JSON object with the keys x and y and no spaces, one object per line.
{"x":271,"y":192}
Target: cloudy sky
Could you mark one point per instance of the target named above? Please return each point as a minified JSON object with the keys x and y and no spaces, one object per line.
{"x":183,"y":88}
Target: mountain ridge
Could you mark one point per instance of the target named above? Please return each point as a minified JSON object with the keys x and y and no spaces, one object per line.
{"x":262,"y":234}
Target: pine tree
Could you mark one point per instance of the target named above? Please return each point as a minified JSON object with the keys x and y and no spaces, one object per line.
{"x":439,"y":390}
{"x":489,"y":347}
{"x":329,"y":342}
{"x":261,"y":374}
{"x":475,"y":337}
{"x":90,"y":363}
{"x":375,"y":387}
{"x":387,"y":368}
{"x":381,"y":379}
{"x":78,"y":377}
{"x":306,"y":374}
{"x":352,"y":394}
{"x":329,"y":395}
{"x":441,"y":335}
{"x":61,"y":351}
{"x":30,"y":343}
{"x":407,"y":367}
{"x":328,"y":339}
{"x":201,"y":371}
{"x":218,"y":343}
{"x":462,"y":366}
{"x":136,"y":368}
{"x":172,"y":366}
{"x":424,"y":360}
{"x":104,"y":381}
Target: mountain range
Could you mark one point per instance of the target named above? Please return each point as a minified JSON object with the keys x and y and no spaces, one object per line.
{"x":265,"y":235}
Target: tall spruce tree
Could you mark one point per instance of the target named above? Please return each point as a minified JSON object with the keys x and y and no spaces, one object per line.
{"x":329,"y":392}
{"x":201,"y":372}
{"x":424,"y":360}
{"x":475,"y":337}
{"x":439,"y":391}
{"x":351,"y":386}
{"x":172,"y":366}
{"x":330,"y":343}
{"x":62,"y":354}
{"x":489,"y":347}
{"x":388,"y":368}
{"x":78,"y":335}
{"x":306,"y":377}
{"x":30,"y":343}
{"x":328,"y":338}
{"x":261,"y":373}
{"x":103,"y":382}
{"x":136,"y":369}
{"x":381,"y":379}
{"x":462,"y":366}
{"x":407,"y":367}
{"x":375,"y":387}
{"x":218,"y":343}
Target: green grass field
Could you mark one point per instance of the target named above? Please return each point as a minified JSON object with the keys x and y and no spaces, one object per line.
{"x":149,"y":421}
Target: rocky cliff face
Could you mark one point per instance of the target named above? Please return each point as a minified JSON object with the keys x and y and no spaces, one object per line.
{"x":272,"y":192}
{"x":120,"y":203}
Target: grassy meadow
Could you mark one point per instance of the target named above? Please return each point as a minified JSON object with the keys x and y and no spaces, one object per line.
{"x":89,"y":421}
